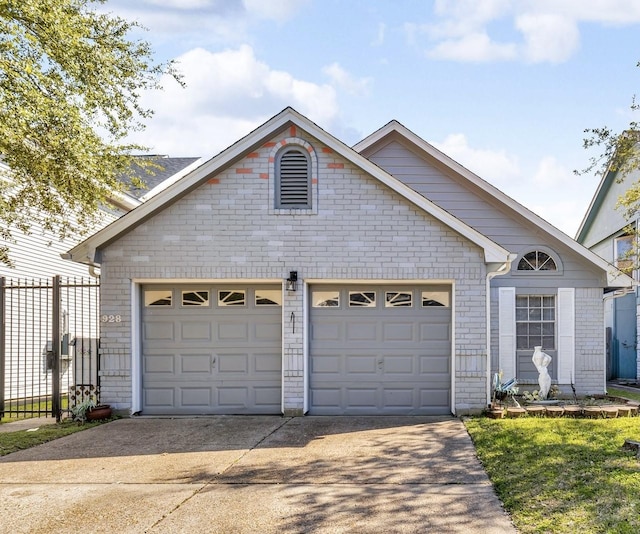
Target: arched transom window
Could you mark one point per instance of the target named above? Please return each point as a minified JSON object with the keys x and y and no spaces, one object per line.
{"x":537,"y":260}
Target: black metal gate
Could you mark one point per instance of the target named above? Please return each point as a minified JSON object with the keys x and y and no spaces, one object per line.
{"x":49,"y":337}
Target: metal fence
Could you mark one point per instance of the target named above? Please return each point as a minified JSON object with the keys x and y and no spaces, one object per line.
{"x":49,"y":337}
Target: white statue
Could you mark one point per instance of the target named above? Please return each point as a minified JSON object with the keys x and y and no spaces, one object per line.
{"x":541,"y":360}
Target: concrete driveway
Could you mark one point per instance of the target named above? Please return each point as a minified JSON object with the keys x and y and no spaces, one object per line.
{"x":253,"y":474}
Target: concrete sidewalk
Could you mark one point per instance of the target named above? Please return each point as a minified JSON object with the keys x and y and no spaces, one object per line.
{"x":253,"y":474}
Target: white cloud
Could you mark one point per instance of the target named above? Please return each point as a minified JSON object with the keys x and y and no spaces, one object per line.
{"x":341,"y":79}
{"x":550,"y":173}
{"x":476,"y":47}
{"x":462,"y":17}
{"x":227,"y":95}
{"x":204,"y":22}
{"x":278,"y":10}
{"x":468,"y":30}
{"x":548,"y":37}
{"x":495,"y":166}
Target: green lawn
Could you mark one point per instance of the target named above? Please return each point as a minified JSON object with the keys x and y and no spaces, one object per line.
{"x":624,"y":393}
{"x":15,"y":441}
{"x":563,"y":475}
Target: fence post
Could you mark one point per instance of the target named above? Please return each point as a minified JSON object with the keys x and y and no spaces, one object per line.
{"x":2,"y":344}
{"x":56,"y":408}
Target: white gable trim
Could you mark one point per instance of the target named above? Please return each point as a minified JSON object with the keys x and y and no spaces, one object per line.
{"x":493,"y":252}
{"x":615,"y":278}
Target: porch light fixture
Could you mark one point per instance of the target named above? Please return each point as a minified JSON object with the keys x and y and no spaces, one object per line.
{"x":292,"y":281}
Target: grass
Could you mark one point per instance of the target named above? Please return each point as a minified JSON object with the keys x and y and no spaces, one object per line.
{"x":22,"y":439}
{"x":16,"y":410}
{"x":624,"y":394}
{"x":563,"y":475}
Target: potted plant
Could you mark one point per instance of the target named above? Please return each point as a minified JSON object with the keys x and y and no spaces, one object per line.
{"x":85,"y":407}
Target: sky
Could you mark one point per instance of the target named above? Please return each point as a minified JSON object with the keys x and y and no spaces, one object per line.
{"x":504,"y":87}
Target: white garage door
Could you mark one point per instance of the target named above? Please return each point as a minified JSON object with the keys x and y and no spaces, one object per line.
{"x":212,"y":349}
{"x":380,"y":350}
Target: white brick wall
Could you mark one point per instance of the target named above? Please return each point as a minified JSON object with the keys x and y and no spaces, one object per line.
{"x":227,"y":229}
{"x":590,"y":349}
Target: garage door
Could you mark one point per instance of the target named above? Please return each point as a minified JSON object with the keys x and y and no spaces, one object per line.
{"x":212,"y":349}
{"x":380,"y":350}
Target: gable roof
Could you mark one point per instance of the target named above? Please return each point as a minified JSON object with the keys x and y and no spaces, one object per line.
{"x":85,"y":252}
{"x":615,"y":278}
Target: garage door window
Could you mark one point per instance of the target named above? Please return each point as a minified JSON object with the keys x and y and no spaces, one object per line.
{"x":362,"y":299}
{"x":325,"y":299}
{"x":195,"y":298}
{"x":436,"y":298}
{"x":157,"y":297}
{"x":398,"y":299}
{"x":268,"y":297}
{"x":232,"y":298}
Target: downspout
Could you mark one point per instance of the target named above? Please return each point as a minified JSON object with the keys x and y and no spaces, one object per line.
{"x":502,"y":270}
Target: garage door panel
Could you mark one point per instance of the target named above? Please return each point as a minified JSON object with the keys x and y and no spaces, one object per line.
{"x":398,"y":332}
{"x":434,"y":397}
{"x":394,"y":397}
{"x":326,"y":364}
{"x":231,"y":331}
{"x":361,"y":331}
{"x":435,"y":332}
{"x":233,"y":396}
{"x":331,"y":331}
{"x":268,"y":332}
{"x":360,"y":365}
{"x":434,"y":364}
{"x":161,"y":330}
{"x":159,"y":397}
{"x":211,"y":358}
{"x":361,"y":397}
{"x":232,"y":364}
{"x":159,"y":364}
{"x":195,"y":397}
{"x":195,"y":363}
{"x":268,"y":363}
{"x":399,"y":365}
{"x":195,"y":331}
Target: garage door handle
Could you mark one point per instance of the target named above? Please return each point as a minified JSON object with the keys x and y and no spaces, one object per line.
{"x":213,"y":361}
{"x":380,"y":363}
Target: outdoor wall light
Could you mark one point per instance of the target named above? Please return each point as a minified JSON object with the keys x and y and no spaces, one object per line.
{"x":292,"y":281}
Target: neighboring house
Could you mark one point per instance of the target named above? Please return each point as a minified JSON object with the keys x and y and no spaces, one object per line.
{"x":607,"y":232}
{"x":294,"y":274}
{"x":27,"y":295}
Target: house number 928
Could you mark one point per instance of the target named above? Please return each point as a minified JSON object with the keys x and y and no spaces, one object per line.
{"x":111,"y":319}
